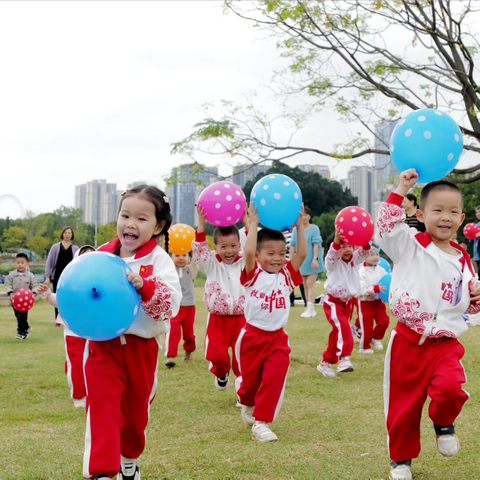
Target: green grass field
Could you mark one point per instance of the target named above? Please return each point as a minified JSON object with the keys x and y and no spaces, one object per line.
{"x":327,"y":428}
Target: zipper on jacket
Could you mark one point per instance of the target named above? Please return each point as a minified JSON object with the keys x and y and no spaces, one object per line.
{"x":434,"y":319}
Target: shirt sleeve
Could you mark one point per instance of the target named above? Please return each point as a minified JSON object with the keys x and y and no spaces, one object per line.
{"x":316,"y":237}
{"x":249,"y":280}
{"x":202,"y":255}
{"x":293,"y":277}
{"x":293,"y":240}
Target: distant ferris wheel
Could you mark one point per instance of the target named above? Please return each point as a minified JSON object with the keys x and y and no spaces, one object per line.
{"x":15,"y":200}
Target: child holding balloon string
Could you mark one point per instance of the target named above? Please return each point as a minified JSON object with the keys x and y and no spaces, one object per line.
{"x":224,"y":296}
{"x":433,"y":283}
{"x":74,"y":344}
{"x":121,"y":374}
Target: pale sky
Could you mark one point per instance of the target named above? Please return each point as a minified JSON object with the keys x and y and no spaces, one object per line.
{"x":100,"y":90}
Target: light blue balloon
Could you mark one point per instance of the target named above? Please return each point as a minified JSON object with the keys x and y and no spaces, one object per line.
{"x":385,"y":281}
{"x":429,"y":141}
{"x":278,"y":200}
{"x":385,"y":265}
{"x":95,"y":298}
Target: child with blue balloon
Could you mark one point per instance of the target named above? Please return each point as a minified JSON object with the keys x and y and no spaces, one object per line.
{"x":74,"y":344}
{"x":120,"y":374}
{"x":432,"y":284}
{"x":370,"y":304}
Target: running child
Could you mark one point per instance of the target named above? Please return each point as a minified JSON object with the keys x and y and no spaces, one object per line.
{"x":20,"y":278}
{"x":224,"y":296}
{"x":183,"y":322}
{"x":120,"y":374}
{"x":342,"y":285}
{"x":262,"y":348}
{"x":371,"y":307}
{"x":433,"y":283}
{"x":74,"y":345}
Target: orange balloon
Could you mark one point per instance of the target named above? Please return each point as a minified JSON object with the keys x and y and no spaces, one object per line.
{"x":180,"y":238}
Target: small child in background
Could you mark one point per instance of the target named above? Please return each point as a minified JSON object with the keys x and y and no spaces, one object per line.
{"x":74,"y":345}
{"x":370,"y":306}
{"x":341,"y":285}
{"x":183,"y":322}
{"x":262,"y":348}
{"x":224,"y":296}
{"x":20,"y":278}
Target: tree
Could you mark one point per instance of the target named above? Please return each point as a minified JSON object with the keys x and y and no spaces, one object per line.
{"x":319,"y":194}
{"x":14,"y":237}
{"x":39,"y":245}
{"x":342,"y":57}
{"x":105,"y":233}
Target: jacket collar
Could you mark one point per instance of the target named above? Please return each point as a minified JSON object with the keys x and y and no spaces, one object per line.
{"x":146,"y":249}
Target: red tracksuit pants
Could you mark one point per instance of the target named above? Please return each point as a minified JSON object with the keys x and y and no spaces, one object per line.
{"x":74,"y":352}
{"x":121,"y":380}
{"x":367,"y":313}
{"x":413,"y":372}
{"x":183,"y":321}
{"x":263,"y":358}
{"x":222,"y":334}
{"x":340,"y":340}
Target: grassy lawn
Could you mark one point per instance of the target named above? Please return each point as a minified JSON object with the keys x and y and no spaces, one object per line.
{"x":327,"y":428}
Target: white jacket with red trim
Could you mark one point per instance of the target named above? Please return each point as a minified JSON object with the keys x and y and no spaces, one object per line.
{"x":369,"y":278}
{"x":161,"y":293}
{"x":415,"y":289}
{"x":342,"y":277}
{"x":224,"y":294}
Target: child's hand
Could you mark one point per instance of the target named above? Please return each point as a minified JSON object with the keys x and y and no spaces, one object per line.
{"x":252,"y":216}
{"x":135,"y":279}
{"x":301,"y":216}
{"x":42,"y":288}
{"x":408,"y":178}
{"x":475,"y":292}
{"x":382,"y":288}
{"x":201,"y":219}
{"x":338,"y":235}
{"x":246,"y":218}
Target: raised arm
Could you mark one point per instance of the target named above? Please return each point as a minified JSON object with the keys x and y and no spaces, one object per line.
{"x":301,"y":252}
{"x":251,"y":241}
{"x":201,"y":254}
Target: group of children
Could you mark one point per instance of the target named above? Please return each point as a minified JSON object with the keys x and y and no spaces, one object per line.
{"x":247,"y":299}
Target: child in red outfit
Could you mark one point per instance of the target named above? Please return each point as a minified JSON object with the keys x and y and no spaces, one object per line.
{"x":183,"y":322}
{"x":342,"y":284}
{"x":433,"y":283}
{"x":370,"y":306}
{"x":224,"y":296}
{"x":121,"y":374}
{"x":262,"y":348}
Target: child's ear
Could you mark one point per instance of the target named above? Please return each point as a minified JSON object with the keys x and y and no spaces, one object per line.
{"x":159,"y":228}
{"x":420,"y":215}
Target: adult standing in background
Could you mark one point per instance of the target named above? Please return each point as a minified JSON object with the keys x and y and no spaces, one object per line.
{"x":60,"y":255}
{"x":313,"y":263}
{"x":409,"y":203}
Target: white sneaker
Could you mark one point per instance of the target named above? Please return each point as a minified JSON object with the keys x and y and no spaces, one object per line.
{"x":345,"y":365}
{"x":400,"y":472}
{"x":365,"y":350}
{"x":356,"y":333}
{"x":376,"y":344}
{"x":247,"y":415}
{"x":221,"y":383}
{"x":128,"y":469}
{"x":325,"y":369}
{"x":170,"y":362}
{"x":80,"y":402}
{"x":448,"y":445}
{"x":261,"y":432}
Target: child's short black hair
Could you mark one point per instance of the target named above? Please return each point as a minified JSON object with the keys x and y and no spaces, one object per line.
{"x":225,"y":232}
{"x":22,"y":255}
{"x":266,"y":234}
{"x":440,"y":185}
{"x":413,"y":198}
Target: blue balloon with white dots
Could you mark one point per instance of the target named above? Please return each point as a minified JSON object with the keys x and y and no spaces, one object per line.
{"x":429,"y":141}
{"x":278,"y":199}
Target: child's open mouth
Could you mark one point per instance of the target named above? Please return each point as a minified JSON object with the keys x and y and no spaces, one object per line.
{"x":129,"y":238}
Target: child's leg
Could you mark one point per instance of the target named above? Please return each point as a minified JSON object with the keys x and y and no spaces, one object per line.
{"x":217,"y":343}
{"x":236,"y":324}
{"x":366,"y":312}
{"x":189,"y":342}
{"x":141,"y":360}
{"x":382,"y":320}
{"x":174,"y":334}
{"x":340,"y":341}
{"x":104,"y":380}
{"x":22,"y":321}
{"x":445,"y":388}
{"x":74,"y":351}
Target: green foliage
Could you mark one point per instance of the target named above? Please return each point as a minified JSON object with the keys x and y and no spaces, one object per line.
{"x":105,"y":233}
{"x":326,"y":223}
{"x":14,"y":237}
{"x":38,"y":244}
{"x":320,"y":194}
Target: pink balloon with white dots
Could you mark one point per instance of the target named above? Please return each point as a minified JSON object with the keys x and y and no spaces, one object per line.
{"x":356,"y":226}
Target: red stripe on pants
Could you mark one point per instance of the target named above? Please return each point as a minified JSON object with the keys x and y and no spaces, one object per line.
{"x":340,"y":340}
{"x":264,"y":358}
{"x":222,"y":334}
{"x":367,"y":313}
{"x":411,"y":373}
{"x":183,"y":321}
{"x":121,"y":381}
{"x":74,"y":351}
